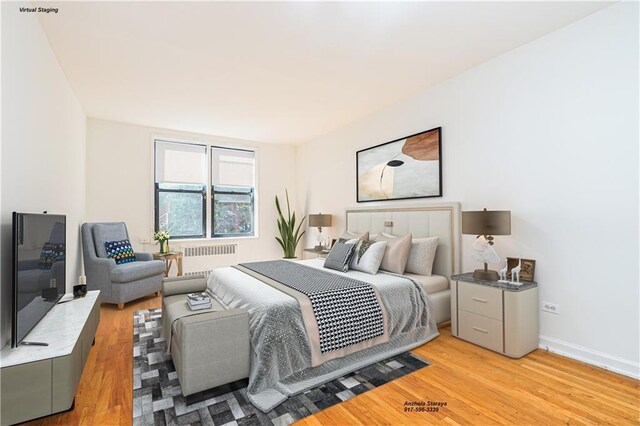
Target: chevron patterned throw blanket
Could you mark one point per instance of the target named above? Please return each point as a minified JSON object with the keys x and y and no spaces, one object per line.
{"x":347,"y":311}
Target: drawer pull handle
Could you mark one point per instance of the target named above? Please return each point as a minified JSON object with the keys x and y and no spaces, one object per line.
{"x":480,"y":330}
{"x":479,"y":300}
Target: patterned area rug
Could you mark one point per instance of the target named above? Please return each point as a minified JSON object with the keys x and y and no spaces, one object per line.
{"x":158,"y":400}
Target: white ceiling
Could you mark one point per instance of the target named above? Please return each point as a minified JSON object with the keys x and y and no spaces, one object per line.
{"x":278,"y":72}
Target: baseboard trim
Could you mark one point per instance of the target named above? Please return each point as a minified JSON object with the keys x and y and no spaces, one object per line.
{"x":589,"y":356}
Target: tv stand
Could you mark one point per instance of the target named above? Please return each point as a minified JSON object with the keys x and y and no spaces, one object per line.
{"x":39,"y":380}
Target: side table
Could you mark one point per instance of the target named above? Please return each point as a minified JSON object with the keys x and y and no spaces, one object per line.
{"x":168,"y":261}
{"x":497,"y":316}
{"x":310,"y":253}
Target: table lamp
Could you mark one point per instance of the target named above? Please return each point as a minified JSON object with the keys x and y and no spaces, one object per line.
{"x":319,"y":220}
{"x":486,"y":224}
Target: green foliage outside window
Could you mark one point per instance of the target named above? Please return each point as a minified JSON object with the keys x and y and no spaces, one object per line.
{"x":233,"y":214}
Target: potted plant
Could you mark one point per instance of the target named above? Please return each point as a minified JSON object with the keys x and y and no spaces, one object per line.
{"x":162,"y":238}
{"x":289,"y":235}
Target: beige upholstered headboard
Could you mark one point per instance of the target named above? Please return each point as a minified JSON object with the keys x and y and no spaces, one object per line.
{"x":442,"y":220}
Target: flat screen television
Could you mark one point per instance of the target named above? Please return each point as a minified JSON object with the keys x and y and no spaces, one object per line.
{"x":39,"y":253}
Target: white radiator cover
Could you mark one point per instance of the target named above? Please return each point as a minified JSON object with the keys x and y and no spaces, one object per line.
{"x":202,"y":259}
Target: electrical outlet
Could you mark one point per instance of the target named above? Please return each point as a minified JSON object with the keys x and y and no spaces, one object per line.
{"x":552,"y":308}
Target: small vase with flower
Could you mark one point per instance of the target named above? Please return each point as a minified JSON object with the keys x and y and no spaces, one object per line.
{"x":162,"y":238}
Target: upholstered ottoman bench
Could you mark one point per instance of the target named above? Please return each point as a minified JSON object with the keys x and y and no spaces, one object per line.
{"x":209,"y":347}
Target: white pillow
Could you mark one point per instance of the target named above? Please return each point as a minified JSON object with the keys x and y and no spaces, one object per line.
{"x":367,"y":256}
{"x":422,"y":255}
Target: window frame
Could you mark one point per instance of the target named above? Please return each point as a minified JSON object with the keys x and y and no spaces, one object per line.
{"x":202,"y":192}
{"x":250,"y":192}
{"x":207,"y":192}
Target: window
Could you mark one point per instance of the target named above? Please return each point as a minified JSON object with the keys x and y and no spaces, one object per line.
{"x":180,"y":189}
{"x":232,"y":177}
{"x":183,"y":183}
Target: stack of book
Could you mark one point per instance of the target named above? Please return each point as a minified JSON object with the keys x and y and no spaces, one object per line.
{"x":197,"y":301}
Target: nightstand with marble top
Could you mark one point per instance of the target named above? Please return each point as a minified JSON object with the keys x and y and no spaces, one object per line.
{"x":311,"y":253}
{"x":498,"y":316}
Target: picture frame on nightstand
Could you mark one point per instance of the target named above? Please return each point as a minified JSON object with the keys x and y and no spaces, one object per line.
{"x":527,"y":271}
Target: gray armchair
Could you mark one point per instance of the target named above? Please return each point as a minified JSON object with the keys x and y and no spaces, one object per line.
{"x":117,"y":283}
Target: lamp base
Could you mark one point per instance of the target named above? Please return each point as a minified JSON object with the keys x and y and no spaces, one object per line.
{"x":320,"y":238}
{"x":486,"y":274}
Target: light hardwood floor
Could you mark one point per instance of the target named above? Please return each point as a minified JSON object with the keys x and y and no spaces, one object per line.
{"x":478,"y":386}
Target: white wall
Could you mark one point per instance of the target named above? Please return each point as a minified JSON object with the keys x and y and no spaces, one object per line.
{"x":120,"y":182}
{"x":550,"y":132}
{"x":43,"y":142}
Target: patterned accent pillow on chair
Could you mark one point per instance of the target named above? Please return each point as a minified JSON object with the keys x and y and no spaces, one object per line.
{"x":339,"y":257}
{"x":120,"y":251}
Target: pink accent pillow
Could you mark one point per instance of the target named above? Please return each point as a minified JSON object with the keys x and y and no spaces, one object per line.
{"x":396,"y":254}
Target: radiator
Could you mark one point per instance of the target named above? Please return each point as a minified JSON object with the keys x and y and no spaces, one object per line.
{"x":204,"y":259}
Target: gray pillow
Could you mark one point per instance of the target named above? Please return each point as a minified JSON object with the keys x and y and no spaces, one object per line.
{"x":422,"y":255}
{"x":346,"y":236}
{"x":339,"y":257}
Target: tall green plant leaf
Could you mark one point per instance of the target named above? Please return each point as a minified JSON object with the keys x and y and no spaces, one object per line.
{"x":290,"y":235}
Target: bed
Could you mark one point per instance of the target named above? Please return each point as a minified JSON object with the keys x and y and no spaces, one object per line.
{"x":441,"y":220}
{"x":283,"y":361}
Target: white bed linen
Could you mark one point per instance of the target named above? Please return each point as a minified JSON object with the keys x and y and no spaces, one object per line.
{"x":280,"y":356}
{"x":430,"y":283}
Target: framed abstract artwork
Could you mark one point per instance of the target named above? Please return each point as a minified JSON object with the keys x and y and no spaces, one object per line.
{"x":410,"y":167}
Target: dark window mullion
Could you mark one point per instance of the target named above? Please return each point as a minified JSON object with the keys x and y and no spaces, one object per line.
{"x":250,"y":193}
{"x":202,"y":192}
